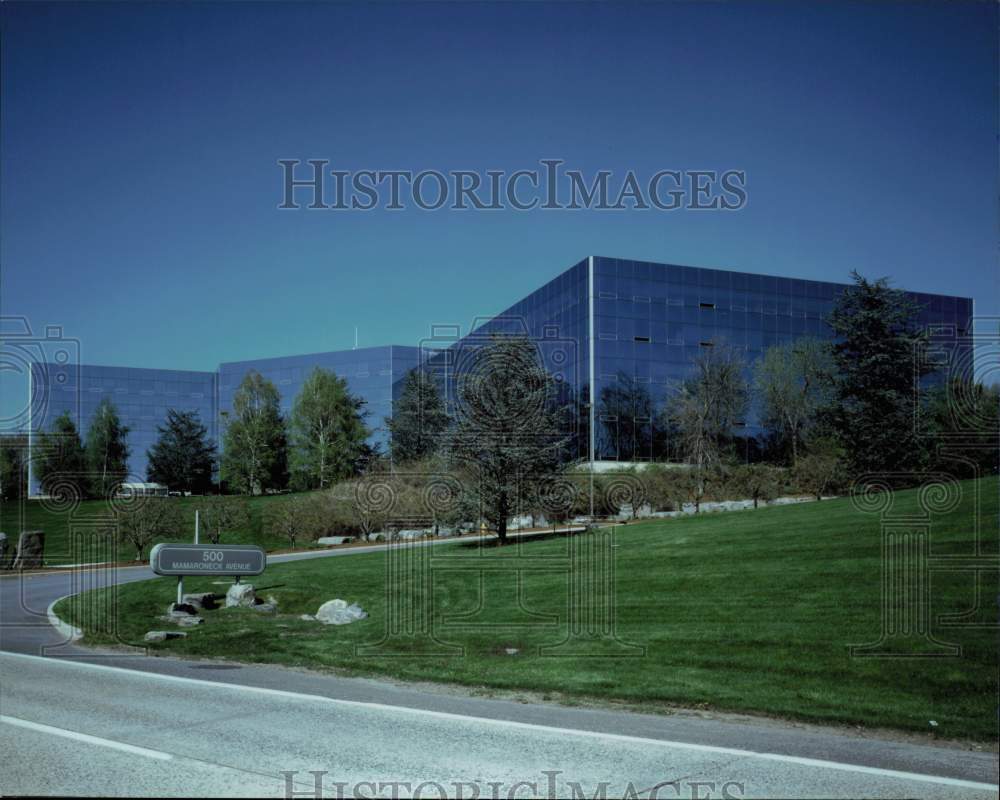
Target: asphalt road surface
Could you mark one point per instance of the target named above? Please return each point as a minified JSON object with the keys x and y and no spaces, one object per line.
{"x":84,"y":722}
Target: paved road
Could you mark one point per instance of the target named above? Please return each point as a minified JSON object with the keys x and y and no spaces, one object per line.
{"x":80,"y":721}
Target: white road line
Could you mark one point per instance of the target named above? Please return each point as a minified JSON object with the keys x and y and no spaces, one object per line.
{"x":86,"y":738}
{"x":528,"y":726}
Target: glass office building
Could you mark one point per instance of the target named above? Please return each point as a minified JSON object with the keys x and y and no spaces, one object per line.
{"x":623,"y":332}
{"x":631,"y":330}
{"x":142,"y":396}
{"x":374,"y":374}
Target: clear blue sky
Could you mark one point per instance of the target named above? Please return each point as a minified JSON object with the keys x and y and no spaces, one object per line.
{"x":139,"y":183}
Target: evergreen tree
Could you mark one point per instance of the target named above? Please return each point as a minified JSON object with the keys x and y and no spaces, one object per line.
{"x":183,"y":457}
{"x":876,"y":386}
{"x":510,"y":433}
{"x":419,"y":419}
{"x":13,"y":466}
{"x":254,"y":444}
{"x":328,"y":431}
{"x":107,"y":449}
{"x":60,"y":463}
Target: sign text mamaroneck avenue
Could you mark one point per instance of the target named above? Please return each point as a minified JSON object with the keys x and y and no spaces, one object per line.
{"x":213,"y":559}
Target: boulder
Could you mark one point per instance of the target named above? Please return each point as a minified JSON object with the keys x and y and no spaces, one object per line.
{"x":181,"y":610}
{"x":410,"y":535}
{"x":265,"y":608}
{"x":30,"y":549}
{"x":338,"y":612}
{"x":241,"y":595}
{"x":333,"y":540}
{"x":161,"y":636}
{"x":201,"y":600}
{"x":376,"y":537}
{"x":188,"y":622}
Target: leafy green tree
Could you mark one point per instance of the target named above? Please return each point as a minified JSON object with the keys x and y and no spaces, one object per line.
{"x":328,"y":431}
{"x":254,"y":454}
{"x":510,"y":433}
{"x":419,"y":419}
{"x":107,"y":448}
{"x":961,"y":423}
{"x":60,"y":460}
{"x":220,"y":514}
{"x":876,"y":385}
{"x":183,"y":457}
{"x":792,"y":382}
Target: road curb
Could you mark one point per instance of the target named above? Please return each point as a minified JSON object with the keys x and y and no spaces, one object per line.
{"x":71,"y":633}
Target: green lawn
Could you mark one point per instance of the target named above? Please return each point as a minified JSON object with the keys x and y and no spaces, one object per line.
{"x":87,"y":545}
{"x":750,"y":611}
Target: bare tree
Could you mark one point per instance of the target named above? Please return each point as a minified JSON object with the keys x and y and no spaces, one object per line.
{"x":823,"y":469}
{"x":707,"y":407}
{"x":759,"y":482}
{"x":145,"y":520}
{"x":291,"y":518}
{"x":220,"y":514}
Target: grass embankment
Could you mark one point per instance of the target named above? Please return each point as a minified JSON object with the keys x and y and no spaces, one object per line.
{"x":89,"y":545}
{"x":748,"y":611}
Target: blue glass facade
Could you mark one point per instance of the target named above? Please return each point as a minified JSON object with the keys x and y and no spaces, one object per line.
{"x":623,"y":332}
{"x":372,"y":373}
{"x":142,"y":396}
{"x":641,"y":324}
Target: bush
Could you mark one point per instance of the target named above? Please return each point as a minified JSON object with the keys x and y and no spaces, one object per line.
{"x":758,"y":482}
{"x":823,"y":470}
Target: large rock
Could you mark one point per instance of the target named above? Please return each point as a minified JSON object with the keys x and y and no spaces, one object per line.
{"x":377,"y":536}
{"x":161,"y":636}
{"x":181,"y":610}
{"x":188,"y":622}
{"x":200,"y":600}
{"x":331,"y":540}
{"x":338,"y":612}
{"x":241,"y":595}
{"x":30,"y":549}
{"x":410,"y":535}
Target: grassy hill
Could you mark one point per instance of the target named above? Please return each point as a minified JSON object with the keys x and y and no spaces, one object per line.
{"x":750,"y":611}
{"x":87,"y":546}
